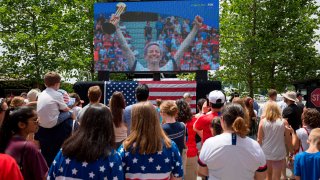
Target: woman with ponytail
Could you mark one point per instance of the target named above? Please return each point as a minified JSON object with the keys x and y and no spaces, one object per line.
{"x":232,"y":155}
{"x":272,"y":136}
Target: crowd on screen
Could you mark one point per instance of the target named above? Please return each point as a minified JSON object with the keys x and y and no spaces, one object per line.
{"x":107,"y":51}
{"x":50,"y":135}
{"x":203,"y":53}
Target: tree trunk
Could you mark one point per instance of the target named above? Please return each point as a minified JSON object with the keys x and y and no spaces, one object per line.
{"x":253,"y":50}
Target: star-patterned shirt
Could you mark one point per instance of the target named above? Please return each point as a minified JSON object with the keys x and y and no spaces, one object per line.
{"x":159,"y":165}
{"x":103,"y":168}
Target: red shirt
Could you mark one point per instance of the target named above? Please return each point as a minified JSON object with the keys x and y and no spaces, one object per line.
{"x":204,"y":124}
{"x":187,"y":54}
{"x":191,"y":141}
{"x":107,"y":44}
{"x":96,"y":55}
{"x":9,"y":168}
{"x":206,"y":67}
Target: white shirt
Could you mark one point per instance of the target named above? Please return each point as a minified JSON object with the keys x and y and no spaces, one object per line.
{"x":76,"y":110}
{"x":167,"y":67}
{"x":261,"y":110}
{"x":303,"y":137}
{"x":120,"y":132}
{"x":282,"y":105}
{"x":49,"y":103}
{"x":227,"y":161}
{"x":273,"y":142}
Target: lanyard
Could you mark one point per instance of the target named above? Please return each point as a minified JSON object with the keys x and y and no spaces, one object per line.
{"x":234,"y":138}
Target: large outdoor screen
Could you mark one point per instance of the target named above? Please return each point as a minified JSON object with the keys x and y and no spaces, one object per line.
{"x":156,"y":36}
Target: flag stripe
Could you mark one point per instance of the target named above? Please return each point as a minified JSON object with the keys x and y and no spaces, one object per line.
{"x":169,"y":93}
{"x":192,"y":104}
{"x":170,"y":86}
{"x":168,"y":82}
{"x":147,"y":175}
{"x":169,"y":89}
{"x":164,"y":97}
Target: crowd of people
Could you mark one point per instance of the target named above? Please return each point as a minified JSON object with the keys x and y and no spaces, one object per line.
{"x":115,"y":52}
{"x":202,"y":54}
{"x":50,"y":135}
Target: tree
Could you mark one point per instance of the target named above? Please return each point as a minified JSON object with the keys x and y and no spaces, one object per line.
{"x":268,"y":44}
{"x":40,"y":36}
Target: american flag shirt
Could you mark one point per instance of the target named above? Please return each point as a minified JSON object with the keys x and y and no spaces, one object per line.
{"x":159,"y":165}
{"x":71,"y":169}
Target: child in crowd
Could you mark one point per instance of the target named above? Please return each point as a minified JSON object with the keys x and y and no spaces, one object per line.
{"x":55,"y":126}
{"x":176,"y":131}
{"x":310,"y":120}
{"x":307,"y":164}
{"x":50,"y":102}
{"x":70,"y":102}
{"x":216,"y":128}
{"x":76,"y":106}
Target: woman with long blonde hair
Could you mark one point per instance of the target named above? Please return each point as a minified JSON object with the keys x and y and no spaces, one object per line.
{"x":272,"y":136}
{"x":147,"y":153}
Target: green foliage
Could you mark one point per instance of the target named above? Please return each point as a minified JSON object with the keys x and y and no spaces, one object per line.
{"x":40,"y":36}
{"x":12,"y":84}
{"x":67,"y":87}
{"x":212,"y":76}
{"x":118,"y":77}
{"x":187,"y":76}
{"x":268,"y":44}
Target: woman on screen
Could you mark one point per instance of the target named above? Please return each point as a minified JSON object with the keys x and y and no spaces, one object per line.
{"x":153,"y":52}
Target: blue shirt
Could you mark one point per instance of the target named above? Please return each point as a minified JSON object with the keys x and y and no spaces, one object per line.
{"x":307,"y":165}
{"x":127,"y":117}
{"x":176,"y":132}
{"x":159,"y":25}
{"x":102,"y":168}
{"x":159,"y":165}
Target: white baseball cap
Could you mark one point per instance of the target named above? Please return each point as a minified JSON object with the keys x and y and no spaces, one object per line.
{"x":217,"y":98}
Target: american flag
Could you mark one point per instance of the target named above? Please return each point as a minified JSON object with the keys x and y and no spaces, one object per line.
{"x":164,"y":90}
